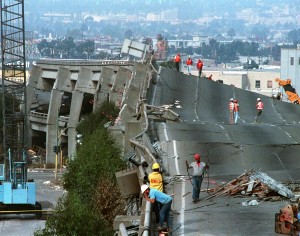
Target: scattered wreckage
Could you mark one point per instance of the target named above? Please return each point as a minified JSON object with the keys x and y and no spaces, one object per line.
{"x":254,"y":183}
{"x":259,"y":184}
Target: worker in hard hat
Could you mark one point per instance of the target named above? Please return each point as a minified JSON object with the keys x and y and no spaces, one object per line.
{"x":199,"y":66}
{"x":197,"y":176}
{"x":156,"y":181}
{"x":236,"y":109}
{"x":259,"y":109}
{"x":155,"y":178}
{"x":153,"y":195}
{"x":189,"y":64}
{"x":231,"y":112}
{"x":177,"y":60}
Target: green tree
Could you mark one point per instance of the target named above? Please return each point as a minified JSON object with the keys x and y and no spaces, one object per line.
{"x":93,"y":198}
{"x":66,"y":47}
{"x":86,"y":48}
{"x":75,"y":34}
{"x":231,"y":33}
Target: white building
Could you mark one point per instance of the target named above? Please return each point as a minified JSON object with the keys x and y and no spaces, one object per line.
{"x":290,"y":66}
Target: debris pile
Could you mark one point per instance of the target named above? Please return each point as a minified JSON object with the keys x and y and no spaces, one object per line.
{"x":254,"y":183}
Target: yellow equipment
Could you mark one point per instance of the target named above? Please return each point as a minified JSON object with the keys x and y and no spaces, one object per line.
{"x":289,"y":90}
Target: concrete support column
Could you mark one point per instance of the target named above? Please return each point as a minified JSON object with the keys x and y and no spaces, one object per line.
{"x":53,"y":112}
{"x":122,"y":78}
{"x":83,"y":85}
{"x":105,"y":85}
{"x":32,"y":82}
{"x":76,"y":104}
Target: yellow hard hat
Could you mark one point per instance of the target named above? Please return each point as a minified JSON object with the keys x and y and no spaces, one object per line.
{"x":155,"y":166}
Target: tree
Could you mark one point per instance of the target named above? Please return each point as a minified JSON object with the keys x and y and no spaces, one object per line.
{"x":128,"y":34}
{"x":231,"y":33}
{"x":93,"y":198}
{"x":75,"y":34}
{"x":259,"y":32}
{"x":251,"y":65}
{"x":86,"y":48}
{"x":66,"y":47}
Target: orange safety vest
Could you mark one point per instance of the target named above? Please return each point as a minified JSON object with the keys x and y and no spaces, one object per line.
{"x":189,"y":61}
{"x":199,"y":65}
{"x":177,"y":58}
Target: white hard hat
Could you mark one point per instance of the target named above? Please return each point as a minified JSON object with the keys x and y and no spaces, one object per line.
{"x":144,"y":187}
{"x":231,"y":99}
{"x":258,"y":99}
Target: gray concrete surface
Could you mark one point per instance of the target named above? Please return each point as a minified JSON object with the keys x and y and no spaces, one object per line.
{"x":271,"y":146}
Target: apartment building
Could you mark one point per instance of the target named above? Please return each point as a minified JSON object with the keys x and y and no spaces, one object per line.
{"x":290,"y":66}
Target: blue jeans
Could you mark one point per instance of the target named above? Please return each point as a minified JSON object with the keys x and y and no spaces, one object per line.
{"x":189,"y":69}
{"x":164,"y":214}
{"x":196,"y":181}
{"x":236,"y":116}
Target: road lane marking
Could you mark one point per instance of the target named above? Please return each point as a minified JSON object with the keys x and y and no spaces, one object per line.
{"x":165,"y":132}
{"x":176,"y":156}
{"x":181,"y":218}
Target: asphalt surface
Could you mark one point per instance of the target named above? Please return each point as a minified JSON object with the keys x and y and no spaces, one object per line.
{"x":47,"y":194}
{"x":271,"y":146}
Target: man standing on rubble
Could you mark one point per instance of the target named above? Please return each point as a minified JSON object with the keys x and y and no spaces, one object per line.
{"x":197,"y":177}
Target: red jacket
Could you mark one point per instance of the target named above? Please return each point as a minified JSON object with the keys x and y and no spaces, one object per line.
{"x":199,"y":65}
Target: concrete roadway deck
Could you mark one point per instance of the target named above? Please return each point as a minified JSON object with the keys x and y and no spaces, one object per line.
{"x":271,"y":146}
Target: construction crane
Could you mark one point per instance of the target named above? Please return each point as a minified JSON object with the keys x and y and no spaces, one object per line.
{"x":289,"y":90}
{"x":17,"y":193}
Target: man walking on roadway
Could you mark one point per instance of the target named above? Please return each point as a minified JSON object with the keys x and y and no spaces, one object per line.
{"x":177,"y":60}
{"x":189,"y":63}
{"x":231,"y":110}
{"x":259,"y":109}
{"x":199,"y":67}
{"x":153,"y":195}
{"x":236,"y":110}
{"x":197,"y":177}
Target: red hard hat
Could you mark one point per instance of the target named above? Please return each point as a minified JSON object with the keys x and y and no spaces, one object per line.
{"x":197,"y":157}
